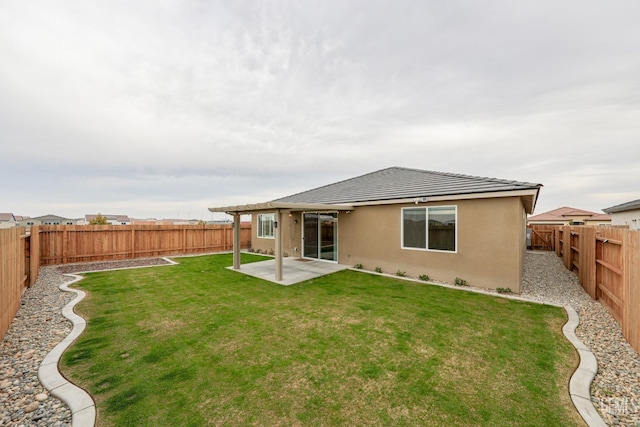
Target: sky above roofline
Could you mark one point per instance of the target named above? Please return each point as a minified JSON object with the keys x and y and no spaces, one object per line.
{"x":163,"y":109}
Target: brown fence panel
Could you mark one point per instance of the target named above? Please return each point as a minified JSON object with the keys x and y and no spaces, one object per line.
{"x":609,"y":271}
{"x":64,"y":244}
{"x":607,"y":262}
{"x":574,"y":250}
{"x":543,"y":237}
{"x":13,"y":277}
{"x":631,"y":296}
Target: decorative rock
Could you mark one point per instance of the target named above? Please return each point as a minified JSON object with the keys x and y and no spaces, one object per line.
{"x":31,"y":407}
{"x":41,"y":397}
{"x":615,"y":390}
{"x":5,"y":384}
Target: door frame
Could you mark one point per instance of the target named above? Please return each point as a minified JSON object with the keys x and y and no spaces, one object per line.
{"x":335,"y":236}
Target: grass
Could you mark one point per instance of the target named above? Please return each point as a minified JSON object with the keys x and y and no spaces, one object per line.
{"x":196,"y":344}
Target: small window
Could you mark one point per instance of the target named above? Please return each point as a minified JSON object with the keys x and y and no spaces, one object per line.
{"x":432,"y":228}
{"x":265,"y":226}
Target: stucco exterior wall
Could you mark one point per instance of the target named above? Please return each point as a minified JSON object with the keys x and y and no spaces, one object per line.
{"x":490,"y":248}
{"x":627,"y":218}
{"x":291,"y":235}
{"x":490,"y":242}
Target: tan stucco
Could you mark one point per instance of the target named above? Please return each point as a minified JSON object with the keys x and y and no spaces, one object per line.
{"x":490,"y":250}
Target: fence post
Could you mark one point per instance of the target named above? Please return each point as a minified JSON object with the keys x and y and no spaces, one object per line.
{"x":631,"y":288}
{"x":566,"y":246}
{"x":133,"y":242}
{"x":35,"y":254}
{"x":65,"y":238}
{"x":588,"y":260}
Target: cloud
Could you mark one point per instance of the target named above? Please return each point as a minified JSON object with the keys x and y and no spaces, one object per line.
{"x":147,"y":105}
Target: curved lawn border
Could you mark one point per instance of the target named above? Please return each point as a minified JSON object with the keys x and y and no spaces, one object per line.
{"x":580,"y":383}
{"x":83,"y":409}
{"x":82,"y":406}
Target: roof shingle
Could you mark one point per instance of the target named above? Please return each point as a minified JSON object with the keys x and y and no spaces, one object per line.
{"x":401,"y":183}
{"x":629,"y":206}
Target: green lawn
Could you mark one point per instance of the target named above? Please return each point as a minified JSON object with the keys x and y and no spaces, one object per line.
{"x":196,"y":344}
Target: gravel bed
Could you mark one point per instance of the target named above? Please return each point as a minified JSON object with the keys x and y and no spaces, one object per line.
{"x":615,"y":390}
{"x":37,"y":328}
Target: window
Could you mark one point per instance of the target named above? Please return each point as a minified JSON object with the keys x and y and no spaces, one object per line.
{"x":432,"y":228}
{"x":265,"y":226}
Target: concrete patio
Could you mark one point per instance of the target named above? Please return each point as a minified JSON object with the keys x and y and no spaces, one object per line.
{"x":295,"y":270}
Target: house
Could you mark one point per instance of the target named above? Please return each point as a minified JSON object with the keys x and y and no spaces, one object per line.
{"x":626,"y":214}
{"x":398,"y":219}
{"x":7,"y":220}
{"x":47,"y":220}
{"x":569,"y":216}
{"x":111,"y":219}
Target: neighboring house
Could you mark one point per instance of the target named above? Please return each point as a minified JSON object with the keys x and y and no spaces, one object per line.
{"x":111,"y":219}
{"x":570,"y":216}
{"x":626,"y":214}
{"x":148,"y":221}
{"x":47,"y":220}
{"x":398,"y":219}
{"x":7,"y":220}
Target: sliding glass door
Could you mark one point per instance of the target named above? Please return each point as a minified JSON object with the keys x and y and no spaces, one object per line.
{"x":320,"y":236}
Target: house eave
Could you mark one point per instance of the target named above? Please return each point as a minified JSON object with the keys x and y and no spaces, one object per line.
{"x":528,"y":196}
{"x":286,"y":206}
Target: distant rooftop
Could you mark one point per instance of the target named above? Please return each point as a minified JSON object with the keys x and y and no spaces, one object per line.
{"x":629,"y":206}
{"x":567,"y":213}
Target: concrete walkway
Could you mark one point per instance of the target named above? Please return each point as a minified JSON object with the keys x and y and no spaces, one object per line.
{"x":294,"y":270}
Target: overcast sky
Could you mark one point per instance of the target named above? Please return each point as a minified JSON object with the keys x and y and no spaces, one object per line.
{"x":165,"y":108}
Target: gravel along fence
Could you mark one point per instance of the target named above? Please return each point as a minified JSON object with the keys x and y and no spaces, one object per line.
{"x":615,"y":390}
{"x":39,"y":326}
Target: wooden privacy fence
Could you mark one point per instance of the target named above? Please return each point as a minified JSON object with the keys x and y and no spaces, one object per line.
{"x":63,"y":244}
{"x":14,"y":273}
{"x":543,"y":237}
{"x":21,"y":255}
{"x":607,"y":262}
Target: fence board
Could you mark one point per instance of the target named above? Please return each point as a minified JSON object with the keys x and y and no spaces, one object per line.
{"x":85,"y":243}
{"x":13,"y":277}
{"x":631,"y":296}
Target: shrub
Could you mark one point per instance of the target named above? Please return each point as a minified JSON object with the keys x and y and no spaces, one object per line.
{"x":358,"y":266}
{"x":424,"y":277}
{"x":378,"y":270}
{"x":460,"y":282}
{"x":503,"y":290}
{"x":401,"y":273}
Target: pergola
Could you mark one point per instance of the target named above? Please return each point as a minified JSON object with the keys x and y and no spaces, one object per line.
{"x":277,"y":208}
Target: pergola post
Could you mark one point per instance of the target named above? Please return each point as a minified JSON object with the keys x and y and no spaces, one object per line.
{"x":236,"y":241}
{"x":278,"y":237}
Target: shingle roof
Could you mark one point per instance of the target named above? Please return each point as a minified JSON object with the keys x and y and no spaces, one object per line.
{"x":629,"y":206}
{"x":401,"y":183}
{"x":7,"y":217}
{"x":565,"y":213}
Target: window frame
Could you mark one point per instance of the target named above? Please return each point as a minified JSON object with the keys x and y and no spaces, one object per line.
{"x":259,"y":231}
{"x":426,"y":248}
